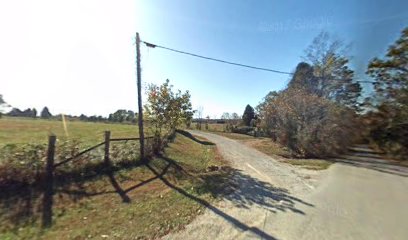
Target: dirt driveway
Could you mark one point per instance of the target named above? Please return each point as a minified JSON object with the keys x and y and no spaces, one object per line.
{"x":273,"y":200}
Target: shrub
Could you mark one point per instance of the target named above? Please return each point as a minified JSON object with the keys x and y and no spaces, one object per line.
{"x":308,"y":125}
{"x":388,"y":130}
{"x":166,"y":109}
{"x":21,"y":164}
{"x":242,"y":130}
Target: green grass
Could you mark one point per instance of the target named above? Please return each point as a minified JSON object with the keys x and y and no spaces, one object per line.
{"x":93,"y":209}
{"x":26,"y":130}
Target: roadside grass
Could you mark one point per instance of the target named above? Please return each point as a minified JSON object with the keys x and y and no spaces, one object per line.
{"x":95,"y":210}
{"x":267,"y":146}
{"x":16,"y":130}
{"x":311,"y":164}
{"x":278,"y":152}
{"x":235,"y":136}
{"x":216,"y":127}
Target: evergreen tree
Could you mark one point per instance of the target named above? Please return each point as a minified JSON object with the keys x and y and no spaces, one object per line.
{"x":248,"y":115}
{"x":45,"y":113}
{"x":34,"y":113}
{"x":390,"y":126}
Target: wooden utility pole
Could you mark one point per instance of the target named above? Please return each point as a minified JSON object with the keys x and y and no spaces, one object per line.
{"x":139,"y":98}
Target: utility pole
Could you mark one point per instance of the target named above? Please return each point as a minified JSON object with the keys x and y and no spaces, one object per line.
{"x":139,"y":98}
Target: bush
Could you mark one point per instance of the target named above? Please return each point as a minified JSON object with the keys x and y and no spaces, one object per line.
{"x":242,"y":130}
{"x":21,"y":164}
{"x":308,"y":125}
{"x":24,"y":164}
{"x":388,"y":130}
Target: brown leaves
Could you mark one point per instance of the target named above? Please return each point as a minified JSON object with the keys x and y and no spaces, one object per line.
{"x":308,"y":125}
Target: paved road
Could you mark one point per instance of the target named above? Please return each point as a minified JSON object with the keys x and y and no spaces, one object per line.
{"x":273,"y":200}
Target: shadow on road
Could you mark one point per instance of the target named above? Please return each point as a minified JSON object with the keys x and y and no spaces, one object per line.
{"x":189,"y":135}
{"x":384,"y":166}
{"x":247,"y":191}
{"x":220,"y":213}
{"x":242,"y":190}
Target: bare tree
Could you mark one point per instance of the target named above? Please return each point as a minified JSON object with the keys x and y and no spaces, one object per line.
{"x":326,"y":72}
{"x":200,"y":111}
{"x":235,"y":118}
{"x":225,"y":116}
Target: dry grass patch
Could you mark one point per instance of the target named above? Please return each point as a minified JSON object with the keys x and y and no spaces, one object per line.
{"x":235,"y":136}
{"x":275,"y":150}
{"x":311,"y":164}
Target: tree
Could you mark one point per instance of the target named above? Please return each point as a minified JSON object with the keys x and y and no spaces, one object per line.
{"x":83,"y":117}
{"x":131,"y":116}
{"x":34,"y":113}
{"x":248,"y":115}
{"x":391,"y":73}
{"x":269,"y":97}
{"x":2,"y":105}
{"x":45,"y":113}
{"x":122,"y":115}
{"x":326,"y":72}
{"x":207,"y":122}
{"x":234,"y":116}
{"x":308,"y":125}
{"x":225,"y":116}
{"x":389,"y":127}
{"x":304,"y":78}
{"x":199,"y":112}
{"x":15,"y":112}
{"x":166,"y":109}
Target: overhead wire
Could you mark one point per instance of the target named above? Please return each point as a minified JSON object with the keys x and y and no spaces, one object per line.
{"x":151,"y":45}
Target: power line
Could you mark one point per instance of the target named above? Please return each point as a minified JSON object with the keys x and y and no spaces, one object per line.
{"x":214,"y":59}
{"x":151,"y":45}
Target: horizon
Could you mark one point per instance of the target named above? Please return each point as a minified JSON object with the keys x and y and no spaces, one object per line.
{"x":86,"y":64}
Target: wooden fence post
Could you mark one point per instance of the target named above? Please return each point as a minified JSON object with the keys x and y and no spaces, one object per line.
{"x":48,"y":184}
{"x":107,"y":146}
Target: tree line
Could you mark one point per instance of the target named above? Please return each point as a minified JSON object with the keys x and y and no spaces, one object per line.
{"x":30,"y":113}
{"x":119,"y":116}
{"x":323,"y":111}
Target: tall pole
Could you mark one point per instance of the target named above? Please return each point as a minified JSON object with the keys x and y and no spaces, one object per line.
{"x":139,"y":98}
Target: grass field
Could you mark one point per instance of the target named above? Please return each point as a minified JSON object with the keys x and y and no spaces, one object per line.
{"x":26,"y":130}
{"x":137,"y":202}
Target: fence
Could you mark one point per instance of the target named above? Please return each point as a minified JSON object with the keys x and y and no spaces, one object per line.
{"x":50,"y":167}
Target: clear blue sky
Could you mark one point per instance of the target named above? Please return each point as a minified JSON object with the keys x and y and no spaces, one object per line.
{"x":78,"y":56}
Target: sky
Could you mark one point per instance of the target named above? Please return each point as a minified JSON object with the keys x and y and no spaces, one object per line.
{"x":78,"y":56}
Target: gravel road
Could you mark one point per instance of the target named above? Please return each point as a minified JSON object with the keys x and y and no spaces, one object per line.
{"x":274,"y":200}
